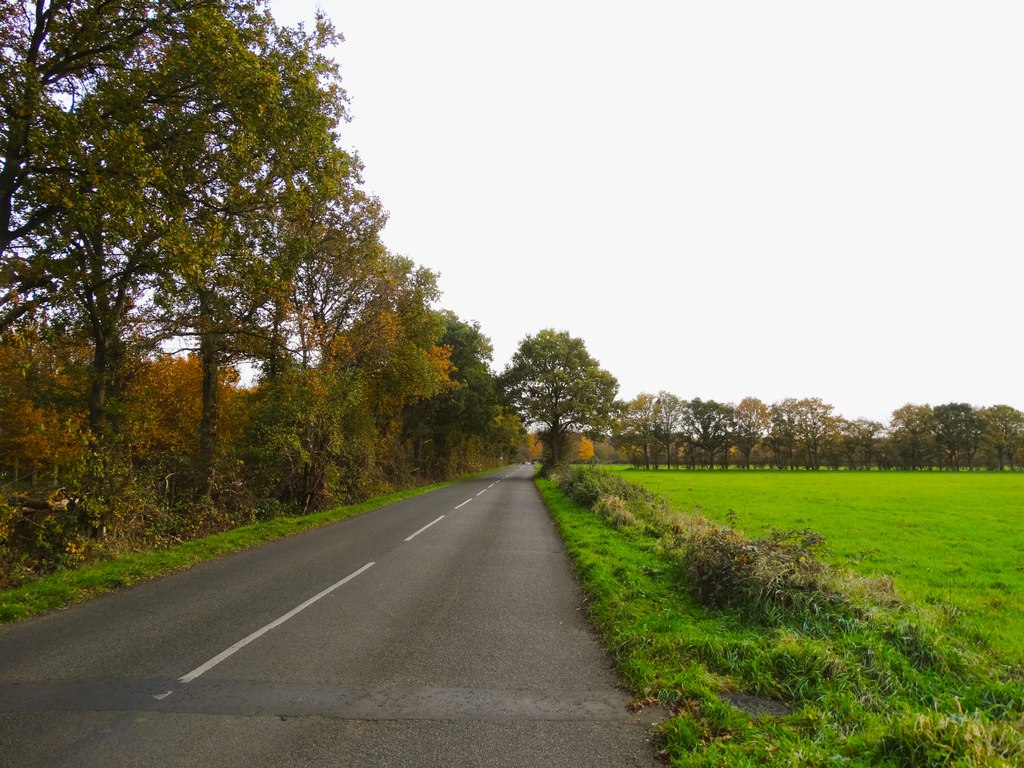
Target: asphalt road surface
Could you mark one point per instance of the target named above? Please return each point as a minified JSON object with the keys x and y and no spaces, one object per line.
{"x":444,"y":630}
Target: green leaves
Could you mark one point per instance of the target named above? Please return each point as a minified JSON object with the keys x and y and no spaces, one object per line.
{"x":554,"y":384}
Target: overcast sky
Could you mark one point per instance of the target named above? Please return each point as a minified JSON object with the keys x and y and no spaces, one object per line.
{"x":722,"y":199}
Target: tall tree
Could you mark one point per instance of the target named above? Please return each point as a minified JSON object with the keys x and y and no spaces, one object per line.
{"x":637,"y":429}
{"x":669,"y":419}
{"x":859,"y":438}
{"x":751,"y":421}
{"x":708,"y":424}
{"x":782,"y":432}
{"x":1003,"y":432}
{"x":816,"y":427}
{"x":464,"y":427}
{"x":255,"y":141}
{"x":554,"y":383}
{"x":958,"y":431}
{"x":912,"y":433}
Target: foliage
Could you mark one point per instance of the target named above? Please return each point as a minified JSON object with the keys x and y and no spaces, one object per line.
{"x":588,"y":485}
{"x":553,"y":382}
{"x":726,"y":568}
{"x":69,"y":586}
{"x":463,"y":427}
{"x":175,"y":204}
{"x":806,"y":433}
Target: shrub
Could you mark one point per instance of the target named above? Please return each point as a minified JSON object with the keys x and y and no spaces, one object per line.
{"x":725,"y":568}
{"x":587,"y":486}
{"x":615,"y":510}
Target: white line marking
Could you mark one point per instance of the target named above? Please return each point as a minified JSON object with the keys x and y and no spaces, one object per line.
{"x":260,"y":632}
{"x":463,"y":503}
{"x":482,"y":492}
{"x":162,"y":696}
{"x":421,"y":530}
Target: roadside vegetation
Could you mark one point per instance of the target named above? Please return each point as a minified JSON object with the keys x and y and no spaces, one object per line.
{"x":768,"y":653}
{"x":69,"y":586}
{"x":200,"y":326}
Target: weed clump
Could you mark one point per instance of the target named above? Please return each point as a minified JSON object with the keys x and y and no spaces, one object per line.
{"x":726,"y":569}
{"x":614,"y":510}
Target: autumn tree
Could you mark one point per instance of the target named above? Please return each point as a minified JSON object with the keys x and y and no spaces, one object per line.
{"x":79,"y":214}
{"x":669,"y":418}
{"x":637,"y":428}
{"x":912,"y":432}
{"x":1003,"y":432}
{"x":464,"y":427}
{"x":554,"y":384}
{"x":254,"y":143}
{"x":958,"y":432}
{"x":42,"y":423}
{"x":750,"y":426}
{"x":56,"y":57}
{"x":815,"y":428}
{"x":859,"y":439}
{"x":707,"y":424}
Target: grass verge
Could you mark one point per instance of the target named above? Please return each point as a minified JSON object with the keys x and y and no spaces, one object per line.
{"x":843,"y":683}
{"x":67,"y":587}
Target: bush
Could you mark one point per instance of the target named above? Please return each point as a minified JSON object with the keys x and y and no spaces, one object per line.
{"x":725,"y":568}
{"x":587,"y":486}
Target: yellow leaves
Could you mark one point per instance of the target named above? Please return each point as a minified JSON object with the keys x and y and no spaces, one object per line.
{"x":586,"y":452}
{"x":163,"y":406}
{"x":36,"y":433}
{"x":440,"y":358}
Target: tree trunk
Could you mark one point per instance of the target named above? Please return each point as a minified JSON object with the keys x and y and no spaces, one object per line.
{"x":209,"y":432}
{"x":98,"y":386}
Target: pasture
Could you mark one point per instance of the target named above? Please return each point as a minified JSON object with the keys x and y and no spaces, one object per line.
{"x":953,"y":541}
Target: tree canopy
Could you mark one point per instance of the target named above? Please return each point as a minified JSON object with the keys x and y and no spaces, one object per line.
{"x":554,"y":384}
{"x":175,"y":205}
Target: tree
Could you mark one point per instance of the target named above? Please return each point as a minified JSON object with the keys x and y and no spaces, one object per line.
{"x":254,"y":142}
{"x":463,"y":428}
{"x":912,"y":432}
{"x":637,"y":428}
{"x":709,"y":426}
{"x":750,"y":426}
{"x":586,"y":453}
{"x":958,"y":431}
{"x":859,"y":438}
{"x":56,"y":56}
{"x":81,"y":211}
{"x":782,"y":432}
{"x":1003,"y":432}
{"x":668,"y":420}
{"x":815,"y":428}
{"x":554,"y":383}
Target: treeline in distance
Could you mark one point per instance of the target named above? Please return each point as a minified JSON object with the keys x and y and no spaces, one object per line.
{"x":665,"y":430}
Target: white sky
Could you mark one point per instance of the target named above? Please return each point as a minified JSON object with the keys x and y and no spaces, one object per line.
{"x":722,"y":199}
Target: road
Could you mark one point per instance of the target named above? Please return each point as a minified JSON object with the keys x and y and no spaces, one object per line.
{"x":443,"y":630}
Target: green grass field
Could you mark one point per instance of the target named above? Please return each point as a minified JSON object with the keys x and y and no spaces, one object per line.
{"x":945,"y":539}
